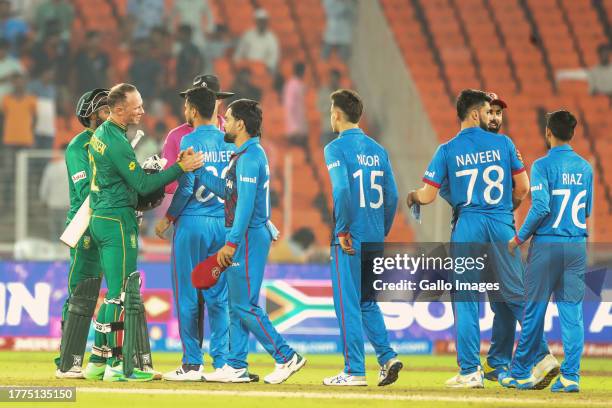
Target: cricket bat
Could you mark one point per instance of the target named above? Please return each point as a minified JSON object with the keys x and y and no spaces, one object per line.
{"x":79,"y":223}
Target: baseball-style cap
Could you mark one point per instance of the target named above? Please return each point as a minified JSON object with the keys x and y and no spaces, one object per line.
{"x":211,"y":82}
{"x":495,"y":100}
{"x":206,"y":274}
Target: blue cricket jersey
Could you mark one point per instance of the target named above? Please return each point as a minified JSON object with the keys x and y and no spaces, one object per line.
{"x":363,"y":187}
{"x":478,"y":167}
{"x":246,"y":190}
{"x":561,"y":195}
{"x":192,"y":198}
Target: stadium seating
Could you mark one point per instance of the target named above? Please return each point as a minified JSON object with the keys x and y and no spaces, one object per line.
{"x":513,"y":48}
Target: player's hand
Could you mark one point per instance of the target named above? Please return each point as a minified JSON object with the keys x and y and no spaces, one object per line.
{"x":512,"y":245}
{"x":225,"y":256}
{"x":411,"y":199}
{"x":190,"y":160}
{"x":161,"y":227}
{"x":346,"y":243}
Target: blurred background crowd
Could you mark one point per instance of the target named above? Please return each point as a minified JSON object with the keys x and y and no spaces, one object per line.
{"x":408,"y":58}
{"x":52,"y":51}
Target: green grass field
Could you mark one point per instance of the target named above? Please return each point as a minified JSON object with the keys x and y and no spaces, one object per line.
{"x":420,"y":385}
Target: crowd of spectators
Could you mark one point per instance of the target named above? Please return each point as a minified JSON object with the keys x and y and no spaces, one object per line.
{"x":45,"y":67}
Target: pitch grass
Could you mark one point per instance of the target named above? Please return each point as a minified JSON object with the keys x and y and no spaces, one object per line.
{"x":420,"y":385}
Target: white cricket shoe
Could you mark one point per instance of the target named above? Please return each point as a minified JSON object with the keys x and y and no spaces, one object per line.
{"x":228,"y":374}
{"x":473,"y":380}
{"x":283,"y":371}
{"x":345,"y":380}
{"x":389,"y":372}
{"x":74,"y":372}
{"x":545,"y":371}
{"x":157,"y":375}
{"x":185,"y":372}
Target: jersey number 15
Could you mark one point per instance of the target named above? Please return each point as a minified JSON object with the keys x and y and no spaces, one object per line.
{"x":373,"y":185}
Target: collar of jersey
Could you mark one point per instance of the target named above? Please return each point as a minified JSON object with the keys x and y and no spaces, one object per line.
{"x":355,"y":131}
{"x":562,"y":148}
{"x":206,"y":127}
{"x":472,"y":129}
{"x":251,"y":141}
{"x":123,"y":128}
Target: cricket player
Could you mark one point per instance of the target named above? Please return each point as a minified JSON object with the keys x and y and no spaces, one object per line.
{"x":562,"y":200}
{"x":494,"y":126}
{"x":246,"y":191}
{"x":504,"y":323}
{"x":116,"y":181}
{"x":486,"y":180}
{"x":365,"y":202}
{"x":85,"y":270}
{"x":172,"y":143}
{"x":199,"y":232}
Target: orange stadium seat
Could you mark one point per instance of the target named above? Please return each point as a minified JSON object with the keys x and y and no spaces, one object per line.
{"x":566,"y":46}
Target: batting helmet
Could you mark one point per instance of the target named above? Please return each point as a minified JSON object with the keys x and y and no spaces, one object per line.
{"x":90,"y":102}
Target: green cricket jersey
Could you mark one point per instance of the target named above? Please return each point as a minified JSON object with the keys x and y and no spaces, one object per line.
{"x":116,"y":176}
{"x":77,"y":163}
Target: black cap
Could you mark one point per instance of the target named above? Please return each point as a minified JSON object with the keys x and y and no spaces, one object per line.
{"x":211,"y":82}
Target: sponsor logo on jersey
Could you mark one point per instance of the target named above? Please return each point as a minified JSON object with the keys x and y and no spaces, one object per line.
{"x":133,"y":240}
{"x":81,"y":175}
{"x":132,"y":166}
{"x":333,"y":165}
{"x":248,"y":179}
{"x":430,"y":174}
{"x":539,"y":187}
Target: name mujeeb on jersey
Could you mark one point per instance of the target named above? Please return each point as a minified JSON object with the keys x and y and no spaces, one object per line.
{"x":215,"y":156}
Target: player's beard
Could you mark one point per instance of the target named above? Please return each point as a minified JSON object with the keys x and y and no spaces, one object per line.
{"x":484,"y":125}
{"x":229,"y":138}
{"x":494,"y":129}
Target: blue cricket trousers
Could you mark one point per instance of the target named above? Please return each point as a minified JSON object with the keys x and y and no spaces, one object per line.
{"x":244,"y":279}
{"x":354,"y":315}
{"x":476,"y":235}
{"x":195,"y":239}
{"x":556,"y":265}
